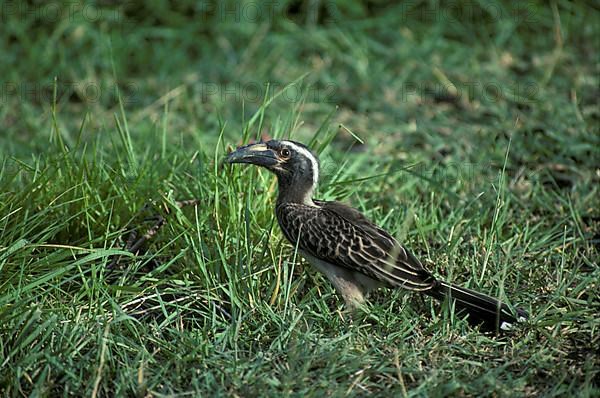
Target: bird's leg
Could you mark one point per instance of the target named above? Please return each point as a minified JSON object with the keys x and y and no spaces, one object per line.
{"x":344,"y":281}
{"x":353,"y":297}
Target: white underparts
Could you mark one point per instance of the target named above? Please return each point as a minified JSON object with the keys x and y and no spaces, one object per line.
{"x":351,"y":285}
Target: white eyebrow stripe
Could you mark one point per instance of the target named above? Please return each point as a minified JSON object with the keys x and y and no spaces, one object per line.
{"x":311,"y":157}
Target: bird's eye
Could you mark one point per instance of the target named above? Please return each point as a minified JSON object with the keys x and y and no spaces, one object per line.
{"x":285,"y":153}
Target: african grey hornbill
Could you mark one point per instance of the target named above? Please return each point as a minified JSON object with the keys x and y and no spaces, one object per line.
{"x":354,"y":254}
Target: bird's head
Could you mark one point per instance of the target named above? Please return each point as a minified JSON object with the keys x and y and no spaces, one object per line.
{"x":296,"y":167}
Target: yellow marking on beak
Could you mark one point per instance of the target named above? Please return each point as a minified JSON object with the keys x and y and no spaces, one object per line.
{"x":257,"y":148}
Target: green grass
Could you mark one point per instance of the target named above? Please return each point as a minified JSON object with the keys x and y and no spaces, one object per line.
{"x":479,"y":151}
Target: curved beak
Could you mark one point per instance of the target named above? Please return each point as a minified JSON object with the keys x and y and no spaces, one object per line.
{"x":258,"y":154}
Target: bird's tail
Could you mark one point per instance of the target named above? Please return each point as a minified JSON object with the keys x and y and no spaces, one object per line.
{"x":490,"y":312}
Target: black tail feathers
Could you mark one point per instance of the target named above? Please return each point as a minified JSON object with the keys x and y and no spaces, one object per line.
{"x":482,"y":309}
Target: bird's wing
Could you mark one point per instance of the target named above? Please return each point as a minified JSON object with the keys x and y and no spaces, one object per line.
{"x":384,"y":239}
{"x":342,"y":236}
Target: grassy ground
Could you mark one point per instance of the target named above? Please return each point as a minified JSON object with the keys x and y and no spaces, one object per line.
{"x":470,"y":132}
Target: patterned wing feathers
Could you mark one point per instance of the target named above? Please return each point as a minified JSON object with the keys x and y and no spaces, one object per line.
{"x":356,"y":244}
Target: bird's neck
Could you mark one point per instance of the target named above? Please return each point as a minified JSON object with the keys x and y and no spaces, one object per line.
{"x":295,"y":190}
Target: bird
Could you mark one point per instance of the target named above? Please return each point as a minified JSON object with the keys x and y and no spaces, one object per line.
{"x":355,"y":254}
